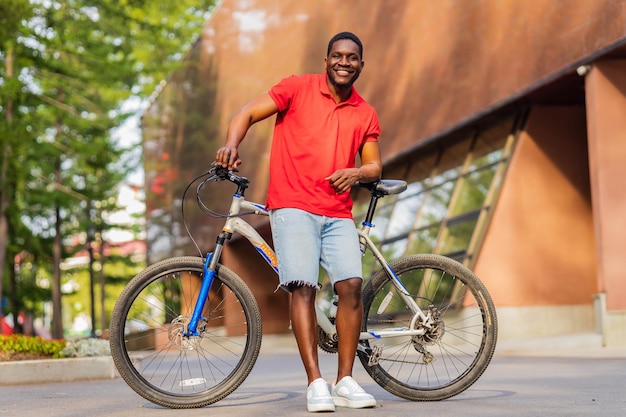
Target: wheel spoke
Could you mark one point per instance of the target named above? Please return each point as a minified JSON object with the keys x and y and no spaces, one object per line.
{"x":150,"y":343}
{"x":458,"y":340}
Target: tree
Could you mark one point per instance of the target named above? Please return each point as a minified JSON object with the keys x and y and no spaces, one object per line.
{"x":78,"y":61}
{"x":12,"y":133}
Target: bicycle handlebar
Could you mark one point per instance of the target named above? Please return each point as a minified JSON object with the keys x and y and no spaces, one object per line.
{"x":221,"y":173}
{"x":377,"y":188}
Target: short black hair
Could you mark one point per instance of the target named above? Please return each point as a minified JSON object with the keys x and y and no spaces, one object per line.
{"x":345,"y":35}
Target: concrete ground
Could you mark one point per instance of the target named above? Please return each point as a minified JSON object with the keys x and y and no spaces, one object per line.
{"x":562,"y":376}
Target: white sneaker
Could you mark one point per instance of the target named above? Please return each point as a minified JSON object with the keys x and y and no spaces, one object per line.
{"x":318,"y":397}
{"x":348,"y":393}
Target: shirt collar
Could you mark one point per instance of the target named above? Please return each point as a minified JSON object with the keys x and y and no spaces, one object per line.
{"x":354,"y":99}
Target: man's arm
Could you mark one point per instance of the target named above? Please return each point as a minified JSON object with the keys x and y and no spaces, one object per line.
{"x":370,"y":170}
{"x":371,"y":164}
{"x":258,"y":109}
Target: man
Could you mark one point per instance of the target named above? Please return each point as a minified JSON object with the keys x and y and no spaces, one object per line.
{"x":321,"y":126}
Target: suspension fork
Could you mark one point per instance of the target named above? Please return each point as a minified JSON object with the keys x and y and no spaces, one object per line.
{"x":209,"y":270}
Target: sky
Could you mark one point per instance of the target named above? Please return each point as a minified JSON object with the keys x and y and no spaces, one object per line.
{"x":131,"y":191}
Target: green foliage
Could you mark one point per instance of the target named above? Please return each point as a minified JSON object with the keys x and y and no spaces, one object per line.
{"x":117,"y":273}
{"x":12,"y":13}
{"x":66,"y":68}
{"x":13,"y":344}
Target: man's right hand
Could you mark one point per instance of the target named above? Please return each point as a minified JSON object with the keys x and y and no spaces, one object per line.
{"x":227,"y":157}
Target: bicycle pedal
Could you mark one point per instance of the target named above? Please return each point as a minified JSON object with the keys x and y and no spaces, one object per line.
{"x":374,"y":358}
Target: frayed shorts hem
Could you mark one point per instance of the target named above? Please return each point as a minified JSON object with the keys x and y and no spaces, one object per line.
{"x":290,"y":285}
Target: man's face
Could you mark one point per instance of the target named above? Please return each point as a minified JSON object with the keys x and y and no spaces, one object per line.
{"x":343,"y":63}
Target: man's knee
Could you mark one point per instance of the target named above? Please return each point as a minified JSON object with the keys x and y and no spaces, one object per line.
{"x":303,"y":292}
{"x":349,"y":288}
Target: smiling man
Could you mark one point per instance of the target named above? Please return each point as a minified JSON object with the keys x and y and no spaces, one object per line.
{"x":322,"y":124}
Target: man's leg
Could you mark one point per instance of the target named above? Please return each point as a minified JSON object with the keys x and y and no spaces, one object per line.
{"x":348,"y":322}
{"x":346,"y":392}
{"x":304,"y":324}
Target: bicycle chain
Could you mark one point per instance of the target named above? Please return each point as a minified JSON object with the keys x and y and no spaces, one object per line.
{"x":325,"y":341}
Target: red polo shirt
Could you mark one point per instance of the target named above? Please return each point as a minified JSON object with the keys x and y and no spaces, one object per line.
{"x":313,"y":137}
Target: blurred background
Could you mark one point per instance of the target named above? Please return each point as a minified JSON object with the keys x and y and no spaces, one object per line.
{"x":505,"y":117}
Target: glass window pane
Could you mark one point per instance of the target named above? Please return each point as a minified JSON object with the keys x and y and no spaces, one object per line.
{"x":405,"y":210}
{"x":448,"y":187}
{"x":424,"y":240}
{"x":436,"y":204}
{"x":473,"y":190}
{"x":381,"y":221}
{"x":452,"y":160}
{"x":458,"y":236}
{"x":486,"y":159}
{"x":448,"y":176}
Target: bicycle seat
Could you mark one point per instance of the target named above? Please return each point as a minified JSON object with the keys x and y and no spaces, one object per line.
{"x":384,"y":187}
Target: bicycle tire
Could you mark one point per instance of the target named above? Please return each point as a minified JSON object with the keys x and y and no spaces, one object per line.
{"x":165,"y":367}
{"x":454,"y":353}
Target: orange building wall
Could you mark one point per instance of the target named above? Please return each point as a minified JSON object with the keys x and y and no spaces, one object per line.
{"x":539,"y":248}
{"x":429,"y":65}
{"x":606,"y":114}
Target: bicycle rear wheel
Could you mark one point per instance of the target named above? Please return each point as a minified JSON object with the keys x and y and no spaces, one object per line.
{"x":456,"y":346}
{"x":148,"y":342}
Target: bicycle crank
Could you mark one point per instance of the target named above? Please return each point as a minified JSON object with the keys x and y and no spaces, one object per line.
{"x":326,"y":342}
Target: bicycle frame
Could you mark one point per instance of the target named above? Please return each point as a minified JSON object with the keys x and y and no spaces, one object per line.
{"x":235,"y":224}
{"x":196,"y":358}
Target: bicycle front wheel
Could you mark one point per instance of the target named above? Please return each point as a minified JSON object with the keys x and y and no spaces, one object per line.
{"x":446,"y":353}
{"x":150,"y":344}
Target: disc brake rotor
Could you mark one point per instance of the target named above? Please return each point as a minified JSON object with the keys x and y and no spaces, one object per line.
{"x":178,"y":334}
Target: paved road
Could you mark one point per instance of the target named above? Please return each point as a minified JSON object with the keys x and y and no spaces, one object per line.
{"x":514,"y":385}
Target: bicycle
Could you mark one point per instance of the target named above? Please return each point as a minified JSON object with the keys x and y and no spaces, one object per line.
{"x":429,"y":328}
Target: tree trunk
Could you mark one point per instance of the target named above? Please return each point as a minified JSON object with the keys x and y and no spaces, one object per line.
{"x":4,"y":221}
{"x":57,"y":306}
{"x":5,"y":197}
{"x":16,"y":302}
{"x":103,"y":315}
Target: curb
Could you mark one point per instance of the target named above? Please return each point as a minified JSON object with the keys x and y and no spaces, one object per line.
{"x":587,"y":345}
{"x":571,"y":345}
{"x":56,"y":370}
{"x":39,"y":371}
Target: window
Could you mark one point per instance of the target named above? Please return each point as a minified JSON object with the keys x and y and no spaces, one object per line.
{"x":446,"y":206}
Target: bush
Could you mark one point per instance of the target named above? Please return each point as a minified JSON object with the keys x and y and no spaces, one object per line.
{"x":18,"y":346}
{"x":86,"y":347}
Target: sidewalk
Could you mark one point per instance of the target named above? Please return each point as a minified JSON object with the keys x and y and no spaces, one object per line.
{"x":576,"y":345}
{"x":512,"y":386}
{"x":584,"y":345}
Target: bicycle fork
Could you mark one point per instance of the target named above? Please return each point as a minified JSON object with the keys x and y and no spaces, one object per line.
{"x":196,"y":316}
{"x":210,"y":265}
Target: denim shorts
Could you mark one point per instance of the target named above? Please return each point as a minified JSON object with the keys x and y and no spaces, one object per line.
{"x":304,"y":241}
